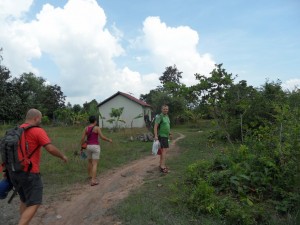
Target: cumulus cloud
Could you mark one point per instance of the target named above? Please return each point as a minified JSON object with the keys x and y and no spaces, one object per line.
{"x":134,"y":83}
{"x":291,"y":84}
{"x":76,"y":39}
{"x":80,"y":45}
{"x":174,"y":45}
{"x":13,"y":9}
{"x":16,"y":40}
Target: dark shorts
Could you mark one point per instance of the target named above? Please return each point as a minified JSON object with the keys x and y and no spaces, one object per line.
{"x":31,"y":187}
{"x":164,"y":142}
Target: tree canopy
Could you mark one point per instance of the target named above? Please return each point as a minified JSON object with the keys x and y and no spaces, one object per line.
{"x":27,"y":91}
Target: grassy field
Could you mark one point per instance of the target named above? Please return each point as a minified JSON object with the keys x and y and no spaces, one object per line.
{"x":157,"y":201}
{"x":58,"y":175}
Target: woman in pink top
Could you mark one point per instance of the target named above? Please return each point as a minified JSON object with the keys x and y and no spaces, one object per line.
{"x":91,"y":134}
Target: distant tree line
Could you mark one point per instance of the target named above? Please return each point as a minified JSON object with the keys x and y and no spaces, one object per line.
{"x":27,"y":91}
{"x":235,"y":106}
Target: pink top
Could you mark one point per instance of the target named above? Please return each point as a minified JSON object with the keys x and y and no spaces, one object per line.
{"x":92,"y":139}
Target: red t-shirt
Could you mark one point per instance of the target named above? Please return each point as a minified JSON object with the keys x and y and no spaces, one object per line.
{"x":36,"y":137}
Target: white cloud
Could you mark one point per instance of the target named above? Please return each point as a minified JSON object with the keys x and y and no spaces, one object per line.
{"x":174,"y":45}
{"x":76,"y":40}
{"x":133,"y":82}
{"x":80,"y":45}
{"x":19,"y":46}
{"x":291,"y":84}
{"x":14,"y":8}
{"x":83,"y":50}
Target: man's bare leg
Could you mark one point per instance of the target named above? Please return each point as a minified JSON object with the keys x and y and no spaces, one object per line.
{"x":162,"y":161}
{"x":22,"y":208}
{"x":27,"y":213}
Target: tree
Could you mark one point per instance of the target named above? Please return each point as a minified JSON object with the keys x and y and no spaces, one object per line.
{"x":35,"y":93}
{"x":115,"y":115}
{"x":172,"y":93}
{"x":77,"y":108}
{"x":92,"y":108}
{"x":52,"y":99}
{"x":149,"y":98}
{"x":10,"y":102}
{"x":212,"y":90}
{"x":171,"y":75}
{"x":193,"y":117}
{"x":63,"y":116}
{"x":294,"y":98}
{"x":27,"y":91}
{"x":171,"y":80}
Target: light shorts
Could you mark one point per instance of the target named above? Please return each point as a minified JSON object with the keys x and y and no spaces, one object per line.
{"x":93,"y":151}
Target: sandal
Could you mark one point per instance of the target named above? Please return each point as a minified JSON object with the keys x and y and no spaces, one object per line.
{"x":94,"y":183}
{"x":164,"y":170}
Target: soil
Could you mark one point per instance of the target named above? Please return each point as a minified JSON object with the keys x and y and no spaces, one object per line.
{"x":85,"y":204}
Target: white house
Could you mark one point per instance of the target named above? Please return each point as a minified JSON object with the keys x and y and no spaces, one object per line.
{"x":133,"y":108}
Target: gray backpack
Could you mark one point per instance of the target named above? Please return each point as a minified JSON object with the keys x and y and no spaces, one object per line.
{"x":14,"y":149}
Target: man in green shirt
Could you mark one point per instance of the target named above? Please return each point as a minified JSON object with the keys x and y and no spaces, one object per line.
{"x":162,"y":133}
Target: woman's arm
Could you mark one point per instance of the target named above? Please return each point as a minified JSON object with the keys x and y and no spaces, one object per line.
{"x":102,"y":136}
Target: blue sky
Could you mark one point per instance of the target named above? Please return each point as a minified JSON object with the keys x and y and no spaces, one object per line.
{"x":93,"y":49}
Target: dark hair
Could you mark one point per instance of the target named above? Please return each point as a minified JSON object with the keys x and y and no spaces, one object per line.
{"x":92,"y":119}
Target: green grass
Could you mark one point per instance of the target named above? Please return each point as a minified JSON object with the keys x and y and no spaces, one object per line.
{"x":58,"y":176}
{"x":157,"y":201}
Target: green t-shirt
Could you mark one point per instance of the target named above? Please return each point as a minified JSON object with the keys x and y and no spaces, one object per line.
{"x":164,"y":125}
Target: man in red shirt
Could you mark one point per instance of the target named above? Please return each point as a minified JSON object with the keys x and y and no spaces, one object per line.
{"x":30,"y":184}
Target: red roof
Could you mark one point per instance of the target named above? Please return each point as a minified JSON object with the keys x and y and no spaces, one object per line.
{"x":138,"y":101}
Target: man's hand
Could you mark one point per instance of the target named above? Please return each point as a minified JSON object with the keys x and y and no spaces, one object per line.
{"x":65,"y":159}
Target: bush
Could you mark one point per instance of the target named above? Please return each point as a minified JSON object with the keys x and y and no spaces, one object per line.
{"x":247,"y":180}
{"x":45,"y":120}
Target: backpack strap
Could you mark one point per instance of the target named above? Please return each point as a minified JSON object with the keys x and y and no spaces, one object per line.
{"x":29,"y":156}
{"x":89,"y":134}
{"x":16,"y":189}
{"x":14,"y":194}
{"x":161,"y":119}
{"x":26,"y":146}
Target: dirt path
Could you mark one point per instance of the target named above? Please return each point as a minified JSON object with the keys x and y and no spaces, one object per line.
{"x":90,"y":205}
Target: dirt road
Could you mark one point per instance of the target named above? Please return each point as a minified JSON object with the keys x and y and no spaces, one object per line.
{"x":89,"y":204}
{"x":85,"y":204}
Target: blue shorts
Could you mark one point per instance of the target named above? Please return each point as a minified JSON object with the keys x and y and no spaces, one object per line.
{"x":31,"y":187}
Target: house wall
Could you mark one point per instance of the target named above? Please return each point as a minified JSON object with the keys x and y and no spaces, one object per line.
{"x":131,"y":110}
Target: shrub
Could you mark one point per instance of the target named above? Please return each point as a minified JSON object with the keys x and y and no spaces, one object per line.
{"x":45,"y":120}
